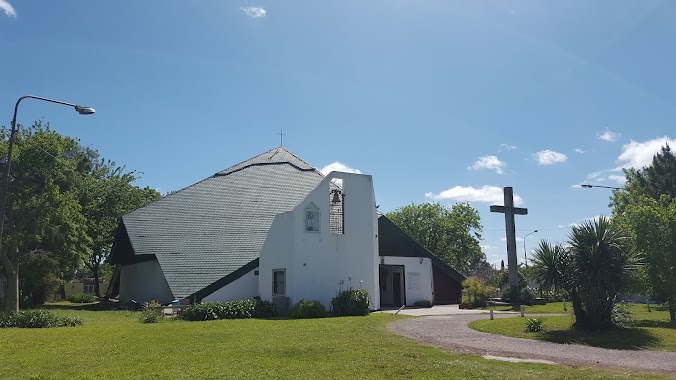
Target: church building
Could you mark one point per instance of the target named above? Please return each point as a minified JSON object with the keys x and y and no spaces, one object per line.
{"x":274,"y":227}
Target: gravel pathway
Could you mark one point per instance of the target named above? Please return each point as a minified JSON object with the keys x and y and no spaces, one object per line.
{"x":452,"y":332}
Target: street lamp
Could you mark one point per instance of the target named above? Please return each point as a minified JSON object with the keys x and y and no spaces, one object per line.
{"x":585,"y":186}
{"x":525,"y":256}
{"x":82,"y":110}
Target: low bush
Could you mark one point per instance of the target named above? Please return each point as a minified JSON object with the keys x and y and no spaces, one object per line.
{"x":81,"y":298}
{"x":477,"y":291}
{"x":251,"y":308}
{"x":621,"y":316}
{"x":308,"y":309}
{"x":36,"y":318}
{"x":351,"y":302}
{"x":152,"y":312}
{"x":534,"y":325}
{"x":527,"y":297}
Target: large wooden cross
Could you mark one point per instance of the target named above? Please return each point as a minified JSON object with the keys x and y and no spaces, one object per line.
{"x":509,"y":210}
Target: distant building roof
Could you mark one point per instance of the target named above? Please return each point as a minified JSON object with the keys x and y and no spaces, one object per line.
{"x":205,"y":232}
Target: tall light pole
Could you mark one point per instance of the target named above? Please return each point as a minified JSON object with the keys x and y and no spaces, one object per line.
{"x":525,"y":256}
{"x":80,"y":109}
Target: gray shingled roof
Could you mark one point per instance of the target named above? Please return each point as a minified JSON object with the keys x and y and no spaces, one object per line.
{"x":206,"y":231}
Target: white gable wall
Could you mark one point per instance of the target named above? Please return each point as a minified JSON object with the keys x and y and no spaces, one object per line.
{"x":418,"y":281}
{"x":242,"y":288}
{"x":316,"y":262}
{"x":144,"y":282}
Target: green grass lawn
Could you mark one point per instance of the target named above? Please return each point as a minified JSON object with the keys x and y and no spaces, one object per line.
{"x":114,"y":344}
{"x":649,"y":331}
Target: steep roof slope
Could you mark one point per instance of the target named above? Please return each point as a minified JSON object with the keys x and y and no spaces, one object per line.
{"x":208,"y":230}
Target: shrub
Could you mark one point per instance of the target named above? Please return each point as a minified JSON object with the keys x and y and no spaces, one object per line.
{"x":423,"y":303}
{"x":477,"y":290}
{"x":251,"y":308}
{"x":265,"y":309}
{"x":351,"y":302}
{"x":36,"y":318}
{"x":308,"y":309}
{"x":621,"y":315}
{"x":534,"y":325}
{"x":526,"y":296}
{"x":81,"y":298}
{"x":152,"y":312}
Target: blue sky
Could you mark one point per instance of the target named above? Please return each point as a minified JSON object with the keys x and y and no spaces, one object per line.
{"x":438,"y":100}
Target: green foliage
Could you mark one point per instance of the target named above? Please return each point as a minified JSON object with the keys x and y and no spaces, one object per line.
{"x":351,"y":302}
{"x":81,"y":298}
{"x":478,"y":291}
{"x":36,"y":318}
{"x":601,"y":262}
{"x":534,"y":325}
{"x":548,"y":266}
{"x":453,"y":235}
{"x":527,"y":296}
{"x":653,"y":227}
{"x":621,"y":315}
{"x":251,"y":308}
{"x":308,"y":309}
{"x":151,"y":315}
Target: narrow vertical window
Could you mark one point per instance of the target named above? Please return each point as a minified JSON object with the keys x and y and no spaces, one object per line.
{"x":278,"y":282}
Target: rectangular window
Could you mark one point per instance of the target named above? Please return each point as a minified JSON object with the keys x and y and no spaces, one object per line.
{"x":279,"y":282}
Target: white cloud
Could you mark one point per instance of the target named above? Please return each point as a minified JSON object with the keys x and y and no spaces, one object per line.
{"x":505,"y":147}
{"x":549,"y":157}
{"x":253,"y":12}
{"x":7,"y":7}
{"x":618,"y":178}
{"x":488,"y":247}
{"x":609,"y":135}
{"x":338,"y":167}
{"x":594,"y":175}
{"x":640,"y":154}
{"x":579,"y":151}
{"x":488,"y":162}
{"x":488,"y":194}
{"x":517,"y":238}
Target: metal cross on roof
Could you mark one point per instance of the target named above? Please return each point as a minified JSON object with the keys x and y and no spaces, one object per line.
{"x":509,"y":210}
{"x":281,"y":137}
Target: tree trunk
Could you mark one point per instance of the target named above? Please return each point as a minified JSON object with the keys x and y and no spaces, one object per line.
{"x":12,"y":302}
{"x":672,"y":308}
{"x":95,"y":271}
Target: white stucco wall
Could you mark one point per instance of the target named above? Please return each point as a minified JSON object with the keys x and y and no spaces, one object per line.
{"x":418,"y":281}
{"x":144,"y":282}
{"x":316,"y":262}
{"x":242,"y":288}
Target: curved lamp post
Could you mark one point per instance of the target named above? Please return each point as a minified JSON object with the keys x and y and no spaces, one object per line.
{"x":525,"y":256}
{"x":80,"y":109}
{"x":585,"y":186}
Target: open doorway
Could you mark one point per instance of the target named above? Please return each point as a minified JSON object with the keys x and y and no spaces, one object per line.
{"x":392,"y":289}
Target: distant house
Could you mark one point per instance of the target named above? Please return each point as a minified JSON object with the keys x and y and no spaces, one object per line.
{"x":84,"y":286}
{"x":273,"y":226}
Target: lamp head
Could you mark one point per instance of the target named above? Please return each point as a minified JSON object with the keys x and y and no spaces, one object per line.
{"x":85,"y":110}
{"x":586,"y":186}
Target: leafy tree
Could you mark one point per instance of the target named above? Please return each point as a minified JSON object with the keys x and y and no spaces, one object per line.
{"x":43,"y":213}
{"x":106,"y":193}
{"x":598,"y":267}
{"x":653,"y":226}
{"x":653,"y":181}
{"x":453,"y":235}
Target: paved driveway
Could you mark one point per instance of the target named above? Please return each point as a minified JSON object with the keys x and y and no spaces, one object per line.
{"x":451,"y":331}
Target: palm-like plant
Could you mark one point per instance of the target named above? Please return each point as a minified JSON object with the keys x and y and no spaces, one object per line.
{"x":601,"y":261}
{"x":548,"y":266}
